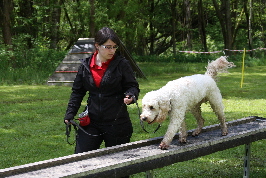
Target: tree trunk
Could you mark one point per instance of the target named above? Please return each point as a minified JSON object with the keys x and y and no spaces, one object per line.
{"x":250,"y":41}
{"x":6,"y":22}
{"x":71,"y":40}
{"x":262,"y":22}
{"x":152,"y":37}
{"x":173,"y":5}
{"x":92,"y":18}
{"x":188,"y":23}
{"x":228,"y":24}
{"x":224,"y":16}
{"x":28,"y":27}
{"x":55,"y":21}
{"x":6,"y":9}
{"x":248,"y":15}
{"x":202,"y":30}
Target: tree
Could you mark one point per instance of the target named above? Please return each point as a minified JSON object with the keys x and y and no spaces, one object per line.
{"x":92,"y":17}
{"x":151,"y":26}
{"x":147,"y":27}
{"x":224,"y":15}
{"x":188,"y":23}
{"x":54,"y":19}
{"x":172,"y":4}
{"x":26,"y":23}
{"x":261,"y":19}
{"x":249,"y":23}
{"x":202,"y":25}
{"x":6,"y":17}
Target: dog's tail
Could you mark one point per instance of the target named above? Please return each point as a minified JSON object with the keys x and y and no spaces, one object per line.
{"x":220,"y":65}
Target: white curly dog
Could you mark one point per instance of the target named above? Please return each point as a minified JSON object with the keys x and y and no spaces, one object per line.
{"x":186,"y":94}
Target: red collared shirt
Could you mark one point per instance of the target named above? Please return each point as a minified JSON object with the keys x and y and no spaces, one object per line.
{"x":98,"y":71}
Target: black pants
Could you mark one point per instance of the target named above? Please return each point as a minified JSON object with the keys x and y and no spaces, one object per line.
{"x":111,"y":135}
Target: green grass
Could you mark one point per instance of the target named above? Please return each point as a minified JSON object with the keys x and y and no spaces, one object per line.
{"x":32,"y":129}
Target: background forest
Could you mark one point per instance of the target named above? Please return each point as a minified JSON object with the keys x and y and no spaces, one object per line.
{"x":147,"y":27}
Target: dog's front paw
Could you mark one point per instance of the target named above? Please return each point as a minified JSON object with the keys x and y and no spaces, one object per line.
{"x":163,"y":146}
{"x":182,"y":140}
{"x":196,"y":133}
{"x":224,"y":131}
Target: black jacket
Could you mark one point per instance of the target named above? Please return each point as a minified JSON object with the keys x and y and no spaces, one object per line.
{"x":106,"y":102}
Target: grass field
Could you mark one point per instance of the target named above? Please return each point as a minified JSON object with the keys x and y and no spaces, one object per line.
{"x":32,"y":129}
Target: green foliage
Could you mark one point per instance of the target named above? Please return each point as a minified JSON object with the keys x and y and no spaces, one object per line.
{"x":253,"y":61}
{"x":29,"y":66}
{"x":146,"y":27}
{"x":5,"y":57}
{"x":170,"y":68}
{"x":179,"y":58}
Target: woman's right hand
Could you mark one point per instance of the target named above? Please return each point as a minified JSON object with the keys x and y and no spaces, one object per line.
{"x":67,"y":122}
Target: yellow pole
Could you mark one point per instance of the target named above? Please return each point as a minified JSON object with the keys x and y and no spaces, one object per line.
{"x":243,"y":67}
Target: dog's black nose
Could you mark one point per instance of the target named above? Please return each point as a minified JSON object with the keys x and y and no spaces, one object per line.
{"x":144,"y":118}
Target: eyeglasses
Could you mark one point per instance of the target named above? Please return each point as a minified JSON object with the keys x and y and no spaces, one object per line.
{"x":110,"y":46}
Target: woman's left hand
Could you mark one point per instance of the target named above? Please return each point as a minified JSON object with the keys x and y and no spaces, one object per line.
{"x":128,"y":99}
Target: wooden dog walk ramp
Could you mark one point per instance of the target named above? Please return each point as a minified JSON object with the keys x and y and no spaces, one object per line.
{"x":144,"y":155}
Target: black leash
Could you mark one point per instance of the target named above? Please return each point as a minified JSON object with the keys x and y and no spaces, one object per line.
{"x":76,"y":125}
{"x":141,"y":121}
{"x":68,"y":130}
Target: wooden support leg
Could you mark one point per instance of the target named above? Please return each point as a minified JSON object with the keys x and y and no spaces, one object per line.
{"x":247,"y":160}
{"x":149,"y":174}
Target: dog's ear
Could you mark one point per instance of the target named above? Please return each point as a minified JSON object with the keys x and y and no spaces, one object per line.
{"x":165,"y":105}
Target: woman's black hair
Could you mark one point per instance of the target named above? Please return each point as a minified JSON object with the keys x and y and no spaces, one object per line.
{"x":104,"y":34}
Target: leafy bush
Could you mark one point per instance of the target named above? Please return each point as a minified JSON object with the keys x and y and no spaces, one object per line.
{"x":181,"y":58}
{"x":34,"y":66}
{"x":252,"y":62}
{"x":29,"y":66}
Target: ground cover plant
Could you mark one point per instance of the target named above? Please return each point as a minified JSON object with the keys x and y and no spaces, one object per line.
{"x":32,"y":129}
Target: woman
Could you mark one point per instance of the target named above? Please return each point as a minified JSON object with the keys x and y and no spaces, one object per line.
{"x":111,"y":85}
